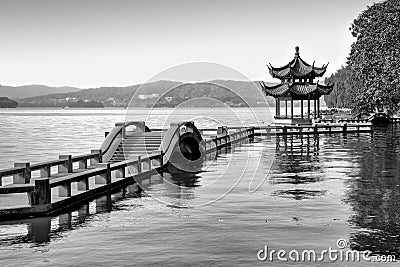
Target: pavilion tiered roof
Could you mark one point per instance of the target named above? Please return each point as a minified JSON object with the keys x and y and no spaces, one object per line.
{"x":297,"y":68}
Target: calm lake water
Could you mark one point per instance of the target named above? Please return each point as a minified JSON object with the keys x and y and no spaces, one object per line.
{"x":313,"y":191}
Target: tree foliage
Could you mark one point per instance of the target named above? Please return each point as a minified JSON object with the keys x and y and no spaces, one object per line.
{"x":339,"y":97}
{"x":375,"y":58}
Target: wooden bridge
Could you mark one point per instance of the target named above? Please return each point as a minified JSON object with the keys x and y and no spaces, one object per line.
{"x":129,"y":153}
{"x":126,"y":156}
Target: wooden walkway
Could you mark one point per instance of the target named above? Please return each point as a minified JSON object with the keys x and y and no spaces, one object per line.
{"x":52,"y":187}
{"x":69,"y":182}
{"x":318,"y":128}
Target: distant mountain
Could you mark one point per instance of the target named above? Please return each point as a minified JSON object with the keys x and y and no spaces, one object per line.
{"x":160,"y":94}
{"x":18,"y":92}
{"x":7,"y":103}
{"x":214,"y":93}
{"x":108,"y":96}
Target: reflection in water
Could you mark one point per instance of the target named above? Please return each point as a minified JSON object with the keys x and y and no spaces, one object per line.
{"x":39,"y":229}
{"x":297,"y":161}
{"x":365,"y":166}
{"x":65,"y":221}
{"x":369,"y":166}
{"x":374,"y":193}
{"x":297,"y":155}
{"x":299,"y":194}
{"x":44,"y":229}
{"x":83,"y":213}
{"x":178,"y":185}
{"x":103,"y":204}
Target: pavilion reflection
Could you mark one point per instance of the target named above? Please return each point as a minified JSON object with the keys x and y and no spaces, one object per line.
{"x":297,"y":161}
{"x":374,"y":194}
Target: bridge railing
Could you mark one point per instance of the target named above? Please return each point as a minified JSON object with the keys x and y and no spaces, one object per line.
{"x":39,"y":193}
{"x":226,"y":136}
{"x":313,"y":129}
{"x":92,"y":178}
{"x":114,"y":138}
{"x":23,"y":172}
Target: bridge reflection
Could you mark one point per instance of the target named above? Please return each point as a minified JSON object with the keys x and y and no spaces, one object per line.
{"x":44,"y":229}
{"x":176,"y":185}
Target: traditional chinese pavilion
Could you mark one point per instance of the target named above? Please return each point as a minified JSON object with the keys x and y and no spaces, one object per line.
{"x":297,"y":84}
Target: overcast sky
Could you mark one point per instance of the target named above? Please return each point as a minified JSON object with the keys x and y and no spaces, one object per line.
{"x":99,"y":43}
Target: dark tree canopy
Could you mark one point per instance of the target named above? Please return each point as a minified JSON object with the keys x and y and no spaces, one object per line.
{"x":375,"y":58}
{"x":339,"y":97}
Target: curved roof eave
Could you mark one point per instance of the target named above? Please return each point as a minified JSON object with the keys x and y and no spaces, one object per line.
{"x":297,"y":68}
{"x":297,"y":89}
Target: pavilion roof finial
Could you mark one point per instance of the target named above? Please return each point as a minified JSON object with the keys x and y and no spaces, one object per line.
{"x":297,"y":68}
{"x":297,"y":51}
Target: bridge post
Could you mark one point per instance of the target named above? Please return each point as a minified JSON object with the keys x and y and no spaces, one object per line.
{"x":344,"y":127}
{"x":284,"y":130}
{"x":222,"y":129}
{"x":42,"y":193}
{"x":161,"y":158}
{"x":139,"y":164}
{"x":104,"y":178}
{"x":45,"y":172}
{"x":216,"y":142}
{"x":83,"y":164}
{"x":25,"y":176}
{"x":97,"y":159}
{"x":67,"y":166}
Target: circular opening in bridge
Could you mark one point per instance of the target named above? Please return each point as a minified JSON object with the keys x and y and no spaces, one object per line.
{"x":189,"y":147}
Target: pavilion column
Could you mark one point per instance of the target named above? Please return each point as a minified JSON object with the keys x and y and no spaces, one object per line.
{"x":309,"y":109}
{"x":276,"y":107}
{"x":291,"y":108}
{"x":315,"y":108}
{"x":318,"y":108}
{"x":301,"y":110}
{"x":278,"y":102}
{"x":286,"y":108}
